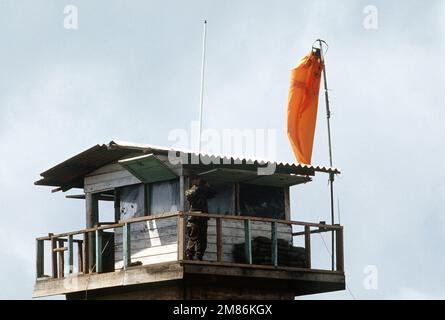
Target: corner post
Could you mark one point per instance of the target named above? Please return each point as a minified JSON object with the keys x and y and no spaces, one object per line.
{"x":40,"y":262}
{"x":307,"y":245}
{"x":70,"y":254}
{"x":339,"y":249}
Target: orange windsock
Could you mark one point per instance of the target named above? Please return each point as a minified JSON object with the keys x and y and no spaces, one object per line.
{"x":302,"y":106}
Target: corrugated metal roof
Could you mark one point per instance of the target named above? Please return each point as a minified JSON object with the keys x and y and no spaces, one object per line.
{"x":232,"y":158}
{"x":70,"y":173}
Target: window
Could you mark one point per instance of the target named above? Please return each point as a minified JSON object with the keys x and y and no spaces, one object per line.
{"x":131,"y":201}
{"x":261,"y":201}
{"x":164,"y":196}
{"x":222,"y":203}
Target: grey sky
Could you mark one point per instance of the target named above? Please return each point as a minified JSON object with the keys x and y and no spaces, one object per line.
{"x":132,"y":72}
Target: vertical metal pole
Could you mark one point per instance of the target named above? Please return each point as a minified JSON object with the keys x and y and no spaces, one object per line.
{"x":331,"y":175}
{"x":201,"y":100}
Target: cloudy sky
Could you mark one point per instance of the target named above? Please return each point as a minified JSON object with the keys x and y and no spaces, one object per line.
{"x":131,"y":71}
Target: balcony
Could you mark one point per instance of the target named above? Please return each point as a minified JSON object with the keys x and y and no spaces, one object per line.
{"x":148,"y":254}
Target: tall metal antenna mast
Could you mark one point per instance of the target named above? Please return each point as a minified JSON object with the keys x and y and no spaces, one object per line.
{"x":201,"y":100}
{"x":328,"y":117}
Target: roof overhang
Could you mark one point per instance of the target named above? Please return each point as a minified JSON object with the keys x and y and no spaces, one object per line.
{"x":70,"y":173}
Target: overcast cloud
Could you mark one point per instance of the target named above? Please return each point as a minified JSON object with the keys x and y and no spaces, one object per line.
{"x":132,"y":72}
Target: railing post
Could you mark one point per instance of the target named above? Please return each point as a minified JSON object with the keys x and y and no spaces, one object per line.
{"x":307,"y":245}
{"x":274,"y":247}
{"x":248,"y":241}
{"x":70,"y":254}
{"x":54,"y":257}
{"x":40,"y":258}
{"x":219,"y":245}
{"x":126,"y":243}
{"x":180,"y":234}
{"x":61,"y":260}
{"x":98,"y":251}
{"x":79,"y":257}
{"x":339,"y":249}
{"x":86,"y":255}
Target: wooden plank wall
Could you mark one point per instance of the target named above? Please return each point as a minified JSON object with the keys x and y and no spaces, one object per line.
{"x":109,"y":177}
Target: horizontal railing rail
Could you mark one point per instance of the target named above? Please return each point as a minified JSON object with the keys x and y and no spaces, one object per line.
{"x":64,"y":242}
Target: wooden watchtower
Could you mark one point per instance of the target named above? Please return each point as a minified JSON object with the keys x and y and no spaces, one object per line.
{"x":255,"y":250}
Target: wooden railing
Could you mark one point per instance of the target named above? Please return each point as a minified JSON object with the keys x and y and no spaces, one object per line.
{"x":60,"y":243}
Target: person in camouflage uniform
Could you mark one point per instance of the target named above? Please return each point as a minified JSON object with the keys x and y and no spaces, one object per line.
{"x":197,"y":197}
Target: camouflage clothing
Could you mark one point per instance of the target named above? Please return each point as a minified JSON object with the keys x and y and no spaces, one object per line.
{"x":197,"y":233}
{"x":197,"y":197}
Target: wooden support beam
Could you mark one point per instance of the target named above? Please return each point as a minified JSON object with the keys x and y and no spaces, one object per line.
{"x":117,"y":205}
{"x":339,"y":250}
{"x":287,"y":213}
{"x":98,"y":251}
{"x":307,"y":245}
{"x":219,"y":245}
{"x":61,"y":253}
{"x":274,"y":248}
{"x":147,"y":199}
{"x":86,"y":250}
{"x":40,"y":262}
{"x":54,"y":257}
{"x":92,"y":218}
{"x":79,"y":257}
{"x":126,"y":234}
{"x":237,"y":200}
{"x":70,"y":254}
{"x":248,"y":241}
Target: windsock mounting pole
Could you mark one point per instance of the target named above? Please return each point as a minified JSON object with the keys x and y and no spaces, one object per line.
{"x":331,"y":175}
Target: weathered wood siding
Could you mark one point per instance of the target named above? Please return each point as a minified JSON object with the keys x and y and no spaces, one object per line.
{"x":156,"y":241}
{"x":151,"y":242}
{"x":109,"y":177}
{"x":233,"y":233}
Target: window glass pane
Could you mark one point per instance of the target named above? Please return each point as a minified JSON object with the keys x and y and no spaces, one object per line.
{"x":222,"y":203}
{"x":164,"y":196}
{"x":132,"y":201}
{"x":261,"y":201}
